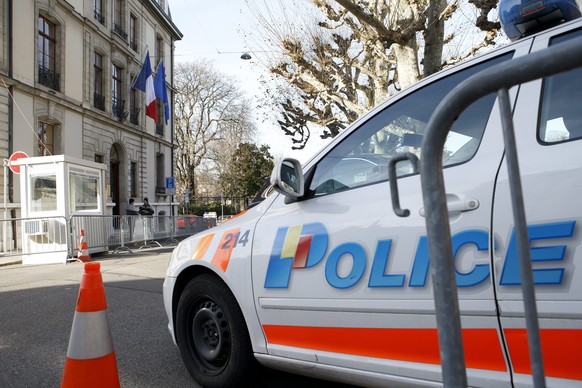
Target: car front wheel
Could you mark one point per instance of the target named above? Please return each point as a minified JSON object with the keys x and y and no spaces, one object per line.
{"x":212,"y":335}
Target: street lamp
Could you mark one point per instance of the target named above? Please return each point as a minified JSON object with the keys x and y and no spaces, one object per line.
{"x":245,"y":56}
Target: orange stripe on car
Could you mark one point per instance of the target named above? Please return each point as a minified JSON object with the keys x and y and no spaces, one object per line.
{"x":561,"y":352}
{"x":482,"y":346}
{"x":202,"y":246}
{"x":225,"y":246}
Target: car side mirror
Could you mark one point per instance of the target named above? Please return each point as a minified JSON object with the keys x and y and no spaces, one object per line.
{"x":287,"y":178}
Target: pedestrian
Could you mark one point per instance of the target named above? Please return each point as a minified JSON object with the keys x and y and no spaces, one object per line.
{"x":146,"y":209}
{"x":131,"y":211}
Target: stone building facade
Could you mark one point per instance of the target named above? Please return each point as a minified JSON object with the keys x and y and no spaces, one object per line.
{"x":66,"y":73}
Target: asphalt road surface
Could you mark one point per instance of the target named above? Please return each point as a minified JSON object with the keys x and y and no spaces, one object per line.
{"x":37,"y":305}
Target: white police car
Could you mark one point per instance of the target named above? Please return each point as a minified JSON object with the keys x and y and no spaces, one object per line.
{"x":322,"y":278}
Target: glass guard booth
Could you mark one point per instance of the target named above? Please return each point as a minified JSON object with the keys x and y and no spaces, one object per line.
{"x":54,"y":189}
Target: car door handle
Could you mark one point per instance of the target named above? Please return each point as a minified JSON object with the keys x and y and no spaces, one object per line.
{"x":458,"y":205}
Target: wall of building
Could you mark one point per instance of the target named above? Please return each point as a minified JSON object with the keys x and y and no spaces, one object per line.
{"x":83,"y":131}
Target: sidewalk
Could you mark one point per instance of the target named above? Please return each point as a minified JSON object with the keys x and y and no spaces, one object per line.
{"x":17,"y":260}
{"x":10,"y":260}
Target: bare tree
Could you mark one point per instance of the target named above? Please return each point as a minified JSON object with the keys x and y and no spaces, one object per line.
{"x":209,"y":108}
{"x":220,"y":152}
{"x":347,"y":56}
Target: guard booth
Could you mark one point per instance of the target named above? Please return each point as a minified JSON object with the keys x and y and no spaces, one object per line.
{"x":52,"y":189}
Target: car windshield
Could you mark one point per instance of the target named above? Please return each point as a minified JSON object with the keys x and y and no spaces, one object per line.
{"x":362,"y":157}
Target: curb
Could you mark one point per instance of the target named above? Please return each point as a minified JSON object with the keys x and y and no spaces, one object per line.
{"x":6,"y":263}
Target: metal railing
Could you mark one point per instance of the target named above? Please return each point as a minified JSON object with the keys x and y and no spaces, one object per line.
{"x":49,"y":78}
{"x":31,"y":236}
{"x":134,"y":115}
{"x":497,"y":79}
{"x":99,"y":101}
{"x":52,"y":235}
{"x":106,"y":233}
{"x":159,"y":129}
{"x":119,"y":31}
{"x":118,"y":108}
{"x":98,"y":16}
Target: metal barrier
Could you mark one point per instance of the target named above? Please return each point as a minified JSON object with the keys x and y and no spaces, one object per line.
{"x":58,"y":238}
{"x":10,"y":242}
{"x":498,"y":78}
{"x":37,"y":240}
{"x":121,"y":233}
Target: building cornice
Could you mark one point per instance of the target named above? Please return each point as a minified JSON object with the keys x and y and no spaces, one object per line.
{"x":162,"y":17}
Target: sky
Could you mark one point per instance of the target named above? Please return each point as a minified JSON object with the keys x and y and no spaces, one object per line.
{"x":214,"y":30}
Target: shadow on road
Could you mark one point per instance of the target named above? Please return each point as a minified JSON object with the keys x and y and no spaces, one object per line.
{"x":36,"y":324}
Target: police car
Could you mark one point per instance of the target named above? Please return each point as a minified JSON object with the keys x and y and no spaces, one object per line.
{"x":321,"y":278}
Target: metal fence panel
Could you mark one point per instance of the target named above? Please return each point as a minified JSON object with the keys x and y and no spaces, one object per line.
{"x":56,"y":239}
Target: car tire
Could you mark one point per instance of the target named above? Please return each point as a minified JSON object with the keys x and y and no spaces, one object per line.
{"x":212,"y":335}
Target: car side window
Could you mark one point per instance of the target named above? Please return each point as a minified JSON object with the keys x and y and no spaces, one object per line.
{"x":362,"y":158}
{"x":561,"y":106}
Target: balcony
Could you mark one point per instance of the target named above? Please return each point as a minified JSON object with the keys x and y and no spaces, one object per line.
{"x":49,"y":78}
{"x":117,"y":107}
{"x":100,"y":18}
{"x":134,"y":116}
{"x":160,"y":129}
{"x":99,"y":101}
{"x":161,"y":190}
{"x":119,"y":31}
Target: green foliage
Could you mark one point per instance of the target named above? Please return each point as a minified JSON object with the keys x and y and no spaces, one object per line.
{"x":248,"y":168}
{"x":200,"y":209}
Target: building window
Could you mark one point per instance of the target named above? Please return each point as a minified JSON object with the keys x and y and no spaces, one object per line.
{"x":133,"y":179}
{"x":118,"y":103}
{"x":4,"y":35}
{"x":133,"y":106}
{"x":44,"y":193}
{"x":45,"y":139}
{"x":47,"y":54}
{"x":159,"y":124}
{"x":133,"y":32}
{"x":160,"y":184}
{"x":159,"y":49}
{"x":84,"y":191}
{"x":118,"y":24}
{"x":98,"y":11}
{"x":98,"y":96}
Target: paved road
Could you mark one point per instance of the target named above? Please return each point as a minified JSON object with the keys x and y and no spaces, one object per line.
{"x":37,"y":305}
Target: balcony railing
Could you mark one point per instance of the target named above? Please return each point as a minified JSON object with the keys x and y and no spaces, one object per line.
{"x":119,"y":31}
{"x":160,"y":190}
{"x":133,"y":45}
{"x":99,"y":101}
{"x":100,"y":18}
{"x":49,"y":78}
{"x":134,"y":116}
{"x":160,"y":129}
{"x":117,"y":107}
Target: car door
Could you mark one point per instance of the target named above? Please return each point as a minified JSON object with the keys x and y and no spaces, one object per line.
{"x":548,"y":123}
{"x":340,"y":280}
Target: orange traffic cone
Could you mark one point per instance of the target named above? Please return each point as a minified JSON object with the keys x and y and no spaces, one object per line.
{"x":91,"y":359}
{"x":83,"y":254}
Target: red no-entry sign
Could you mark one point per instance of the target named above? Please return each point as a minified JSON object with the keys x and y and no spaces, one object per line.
{"x":14,"y":157}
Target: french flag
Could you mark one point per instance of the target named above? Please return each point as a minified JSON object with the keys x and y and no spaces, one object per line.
{"x":145,"y":83}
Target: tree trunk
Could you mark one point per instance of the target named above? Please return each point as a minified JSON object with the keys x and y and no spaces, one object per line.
{"x":434,"y":37}
{"x":407,"y":59}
